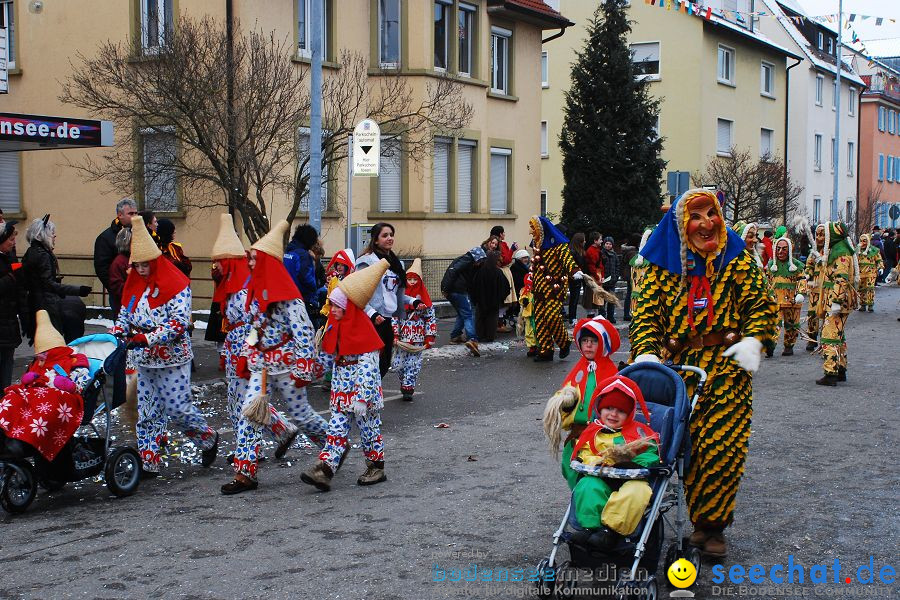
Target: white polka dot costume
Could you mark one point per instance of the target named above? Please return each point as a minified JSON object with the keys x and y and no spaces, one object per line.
{"x":413,"y":330}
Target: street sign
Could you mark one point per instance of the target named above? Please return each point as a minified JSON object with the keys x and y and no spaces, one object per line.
{"x":366,"y":148}
{"x":894,"y":212}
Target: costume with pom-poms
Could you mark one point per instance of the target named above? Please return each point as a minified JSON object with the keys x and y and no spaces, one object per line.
{"x":552,"y":265}
{"x":786,"y":280}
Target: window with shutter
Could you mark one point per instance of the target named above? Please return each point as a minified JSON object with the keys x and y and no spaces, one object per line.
{"x":500,"y":180}
{"x":881,"y":167}
{"x":389,"y":183}
{"x":440,"y":175}
{"x":723,"y":136}
{"x":10,"y":188}
{"x":465,"y":178}
{"x":817,"y":152}
{"x":765,"y":143}
{"x":645,"y":57}
{"x":159,"y":171}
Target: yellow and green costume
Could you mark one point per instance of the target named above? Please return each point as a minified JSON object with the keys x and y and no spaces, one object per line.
{"x":870,"y":263}
{"x":786,"y":280}
{"x":551,"y":267}
{"x":839,"y":297}
{"x":815,"y":267}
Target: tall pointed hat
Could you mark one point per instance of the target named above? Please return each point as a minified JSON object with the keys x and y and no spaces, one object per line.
{"x":143,"y":248}
{"x":361,"y":284}
{"x":228,"y":244}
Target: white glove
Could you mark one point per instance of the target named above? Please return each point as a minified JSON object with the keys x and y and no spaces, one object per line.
{"x":252,"y":337}
{"x":799,"y":298}
{"x":578,"y":276}
{"x":651,"y":358}
{"x":747,"y":353}
{"x":607,"y":279}
{"x":835,"y":308}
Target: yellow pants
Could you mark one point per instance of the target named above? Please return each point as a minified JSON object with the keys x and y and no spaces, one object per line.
{"x":866,"y":291}
{"x":596,"y":504}
{"x":834,"y":345}
{"x":790,"y":323}
{"x":812,"y":323}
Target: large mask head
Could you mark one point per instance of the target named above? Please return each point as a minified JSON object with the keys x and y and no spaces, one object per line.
{"x":781,"y":250}
{"x":703,"y":223}
{"x":820,"y":237}
{"x":863,"y":242}
{"x":537,"y":232}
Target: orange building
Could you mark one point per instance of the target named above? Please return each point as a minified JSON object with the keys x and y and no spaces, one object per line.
{"x":879,"y":153}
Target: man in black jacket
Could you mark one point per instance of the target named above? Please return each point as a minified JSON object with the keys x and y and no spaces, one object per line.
{"x":611,"y":274}
{"x":455,"y":288}
{"x":105,"y":245}
{"x":12,"y":303}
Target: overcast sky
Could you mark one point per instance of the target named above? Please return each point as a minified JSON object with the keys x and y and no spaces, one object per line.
{"x":879,"y":41}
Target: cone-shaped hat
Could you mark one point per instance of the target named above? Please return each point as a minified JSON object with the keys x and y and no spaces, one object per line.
{"x":273,"y":242}
{"x":360,"y":285}
{"x":143,"y":248}
{"x":416,"y":268}
{"x":46,"y":337}
{"x":228,"y":244}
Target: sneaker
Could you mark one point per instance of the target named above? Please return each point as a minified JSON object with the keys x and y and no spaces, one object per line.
{"x":319,"y":475}
{"x":207,"y":457}
{"x":472,"y":345}
{"x":241,"y":483}
{"x":374,"y":473}
{"x":285,"y":444}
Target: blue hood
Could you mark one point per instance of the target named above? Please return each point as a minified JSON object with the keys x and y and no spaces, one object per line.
{"x":552,"y":235}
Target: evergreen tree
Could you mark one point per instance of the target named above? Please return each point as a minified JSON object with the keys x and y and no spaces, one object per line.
{"x":611,"y":154}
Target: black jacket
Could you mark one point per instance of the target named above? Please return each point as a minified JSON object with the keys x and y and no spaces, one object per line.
{"x":42,"y":280}
{"x":105,"y":251}
{"x":610,"y":268}
{"x":12,"y":304}
{"x":519,"y":271}
{"x":490,"y":287}
{"x":458,"y":276}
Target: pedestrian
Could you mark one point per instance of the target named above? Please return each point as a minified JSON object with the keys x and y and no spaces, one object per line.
{"x":415,"y":334}
{"x":340,"y":266}
{"x":118,"y":270}
{"x":787,"y":283}
{"x":455,"y":287}
{"x":768,"y":247}
{"x":318,"y":253}
{"x":492,"y":244}
{"x":12,"y":303}
{"x":300,"y":263}
{"x":815,"y":275}
{"x":506,"y":250}
{"x":870,"y":268}
{"x":488,"y":290}
{"x":611,"y":273}
{"x":155,"y":315}
{"x":510,"y":304}
{"x":748,"y":232}
{"x":838,"y":299}
{"x":356,"y":386}
{"x":576,"y":247}
{"x":703,"y":304}
{"x":152,"y":224}
{"x":172,"y":249}
{"x":389,"y":299}
{"x":593,"y":262}
{"x":105,"y":244}
{"x":520,"y":267}
{"x":629,"y":253}
{"x":890,"y":251}
{"x":12,"y":251}
{"x":44,"y":286}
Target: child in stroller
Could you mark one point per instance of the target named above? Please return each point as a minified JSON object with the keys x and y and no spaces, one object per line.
{"x":40,"y":416}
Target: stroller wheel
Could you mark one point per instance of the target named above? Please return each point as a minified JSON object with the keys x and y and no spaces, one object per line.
{"x":546,"y":581}
{"x":647,"y":589}
{"x":18,"y":487}
{"x":566,"y":579}
{"x":123,"y":471}
{"x":691,"y":553}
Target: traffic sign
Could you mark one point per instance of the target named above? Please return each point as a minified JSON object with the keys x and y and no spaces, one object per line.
{"x":366,"y":148}
{"x":894,"y":212}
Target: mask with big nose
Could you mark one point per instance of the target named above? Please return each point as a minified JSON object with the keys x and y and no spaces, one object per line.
{"x":704,"y":225}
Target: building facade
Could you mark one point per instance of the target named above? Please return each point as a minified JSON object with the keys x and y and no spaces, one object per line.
{"x":879,"y":166}
{"x":489,"y":175}
{"x":720,"y":81}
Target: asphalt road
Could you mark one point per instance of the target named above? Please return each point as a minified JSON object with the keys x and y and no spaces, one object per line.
{"x":821,"y":485}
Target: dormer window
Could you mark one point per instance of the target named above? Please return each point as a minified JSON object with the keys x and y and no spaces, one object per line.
{"x":821,"y":41}
{"x":830,"y":46}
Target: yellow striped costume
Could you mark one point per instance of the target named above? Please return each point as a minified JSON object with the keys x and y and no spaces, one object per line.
{"x":551,"y":266}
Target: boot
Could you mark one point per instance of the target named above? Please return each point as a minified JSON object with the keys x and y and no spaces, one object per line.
{"x":829,"y":380}
{"x":319,"y":475}
{"x":770,"y":352}
{"x":715,"y":545}
{"x":698,"y":538}
{"x":842,"y":374}
{"x":788,"y":351}
{"x":241,"y":483}
{"x":871,"y":308}
{"x":532,"y":352}
{"x":472,"y":345}
{"x":811,"y":346}
{"x":374,"y":473}
{"x":459,"y":339}
{"x":564,"y":351}
{"x":862,"y":309}
{"x":285,"y":444}
{"x":207,"y":457}
{"x":544,"y":357}
{"x":407,"y":393}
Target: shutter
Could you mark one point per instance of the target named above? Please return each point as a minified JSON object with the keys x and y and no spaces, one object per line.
{"x":389,"y":188}
{"x":465,"y":155}
{"x":159,"y":176}
{"x":10,"y":188}
{"x":765,"y":143}
{"x":723,"y":136}
{"x":440,"y":174}
{"x":499,"y":180}
{"x":645,"y":52}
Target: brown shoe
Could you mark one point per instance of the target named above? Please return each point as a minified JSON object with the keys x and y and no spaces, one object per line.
{"x":458,"y":340}
{"x":829,"y":380}
{"x":472,"y":345}
{"x":374,"y":473}
{"x":699,"y":537}
{"x":285,"y":444}
{"x":319,"y":475}
{"x":788,"y":351}
{"x":241,"y":483}
{"x":715,"y":545}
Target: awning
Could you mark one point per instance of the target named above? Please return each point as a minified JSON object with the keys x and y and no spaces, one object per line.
{"x":36,"y":132}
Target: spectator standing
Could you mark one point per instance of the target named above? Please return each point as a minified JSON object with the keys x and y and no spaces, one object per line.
{"x":488,"y":291}
{"x":12,"y":303}
{"x":629,"y":251}
{"x":105,"y":244}
{"x":12,"y":251}
{"x":611,"y":270}
{"x":593,"y":261}
{"x":889,"y":248}
{"x":300,"y":263}
{"x":118,"y":270}
{"x":455,"y":287}
{"x":576,"y":247}
{"x":506,"y":251}
{"x":152,"y":225}
{"x":170,"y":248}
{"x":768,"y":252}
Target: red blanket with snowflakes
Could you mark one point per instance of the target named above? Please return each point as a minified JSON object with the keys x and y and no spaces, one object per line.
{"x":45,"y":418}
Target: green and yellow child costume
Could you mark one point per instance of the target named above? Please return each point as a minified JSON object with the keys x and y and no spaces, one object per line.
{"x":870,"y":262}
{"x":787,"y":282}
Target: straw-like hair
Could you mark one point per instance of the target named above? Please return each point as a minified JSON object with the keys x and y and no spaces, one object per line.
{"x":273,"y":242}
{"x":46,"y":337}
{"x":228,"y":244}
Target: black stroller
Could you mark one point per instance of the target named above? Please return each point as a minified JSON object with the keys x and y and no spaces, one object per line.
{"x":88,"y":452}
{"x":630,"y":566}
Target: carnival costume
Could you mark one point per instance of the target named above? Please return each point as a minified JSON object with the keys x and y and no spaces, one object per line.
{"x":551,"y":265}
{"x":815,"y":273}
{"x":333,"y":276}
{"x":415,"y":333}
{"x":870,"y":263}
{"x":356,"y":394}
{"x":701,"y":306}
{"x":526,"y":327}
{"x":155,"y":315}
{"x":744,"y":230}
{"x":788,"y":284}
{"x":839,"y":297}
{"x":569,"y":408}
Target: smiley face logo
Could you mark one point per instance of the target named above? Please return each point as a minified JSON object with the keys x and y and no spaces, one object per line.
{"x":682,"y":573}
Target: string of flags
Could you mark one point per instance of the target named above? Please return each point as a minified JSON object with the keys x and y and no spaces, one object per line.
{"x":699,"y":9}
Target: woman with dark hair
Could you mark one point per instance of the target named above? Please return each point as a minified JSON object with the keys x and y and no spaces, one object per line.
{"x":172,"y":249}
{"x":489,"y":289}
{"x":492,"y":244}
{"x":389,"y":298}
{"x":576,"y":247}
{"x":152,"y":224}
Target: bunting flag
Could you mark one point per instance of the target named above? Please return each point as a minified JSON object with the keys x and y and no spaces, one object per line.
{"x":701,"y":9}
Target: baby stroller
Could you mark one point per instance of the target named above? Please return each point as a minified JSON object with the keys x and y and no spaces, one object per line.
{"x":88,"y":452}
{"x":635,"y":558}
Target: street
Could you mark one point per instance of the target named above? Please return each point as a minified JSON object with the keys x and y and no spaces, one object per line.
{"x":820,"y":485}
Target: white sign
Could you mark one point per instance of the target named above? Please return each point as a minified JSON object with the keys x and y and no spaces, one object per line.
{"x":4,"y":74}
{"x":366,"y":148}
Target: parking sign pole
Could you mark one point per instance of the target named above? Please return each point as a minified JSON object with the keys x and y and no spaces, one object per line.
{"x":349,"y":185}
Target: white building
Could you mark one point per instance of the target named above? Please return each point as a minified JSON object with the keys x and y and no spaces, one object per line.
{"x":813,"y":151}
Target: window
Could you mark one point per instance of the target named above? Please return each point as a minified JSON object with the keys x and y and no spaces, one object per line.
{"x":655,"y":129}
{"x":723,"y":136}
{"x":765,"y":143}
{"x":890,"y":168}
{"x":834,"y":160}
{"x":767,"y":79}
{"x":158,"y":170}
{"x":881,"y":167}
{"x":500,"y":59}
{"x":8,"y":17}
{"x":820,"y":81}
{"x":10,"y":186}
{"x":303,"y":150}
{"x":645,"y":57}
{"x":442,"y":10}
{"x":830,"y":46}
{"x":543,"y":203}
{"x":817,"y":149}
{"x":466,"y":25}
{"x":891,"y":115}
{"x":817,"y":209}
{"x":545,"y":70}
{"x":440,"y":175}
{"x":881,"y":118}
{"x":821,"y":44}
{"x":390,"y":190}
{"x":851,"y":157}
{"x":726,"y":65}
{"x":849,"y":216}
{"x":500,"y":180}
{"x":851,"y":102}
{"x":545,"y":140}
{"x":389,"y":33}
{"x":304,"y":29}
{"x":465,"y":175}
{"x":834,"y":94}
{"x":157,"y":21}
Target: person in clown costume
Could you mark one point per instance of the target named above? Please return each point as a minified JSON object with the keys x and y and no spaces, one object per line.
{"x":279,"y":344}
{"x":838,"y":299}
{"x":415,"y":333}
{"x":526,"y":316}
{"x":815,"y":274}
{"x":155,"y":315}
{"x":870,"y":264}
{"x":704,"y":302}
{"x":568,"y":410}
{"x":788,"y":284}
{"x":341,"y":265}
{"x":552,"y":265}
{"x":356,"y":394}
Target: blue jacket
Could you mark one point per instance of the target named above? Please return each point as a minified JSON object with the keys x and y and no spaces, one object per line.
{"x":302,"y":269}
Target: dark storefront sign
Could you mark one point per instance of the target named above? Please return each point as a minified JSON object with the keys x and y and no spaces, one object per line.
{"x":35,"y":132}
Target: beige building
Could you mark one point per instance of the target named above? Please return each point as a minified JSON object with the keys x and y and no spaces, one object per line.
{"x":490,"y":175}
{"x":720,"y":81}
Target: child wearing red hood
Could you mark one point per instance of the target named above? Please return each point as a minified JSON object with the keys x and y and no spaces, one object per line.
{"x":415,"y":333}
{"x":341,"y":265}
{"x":614,"y":439}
